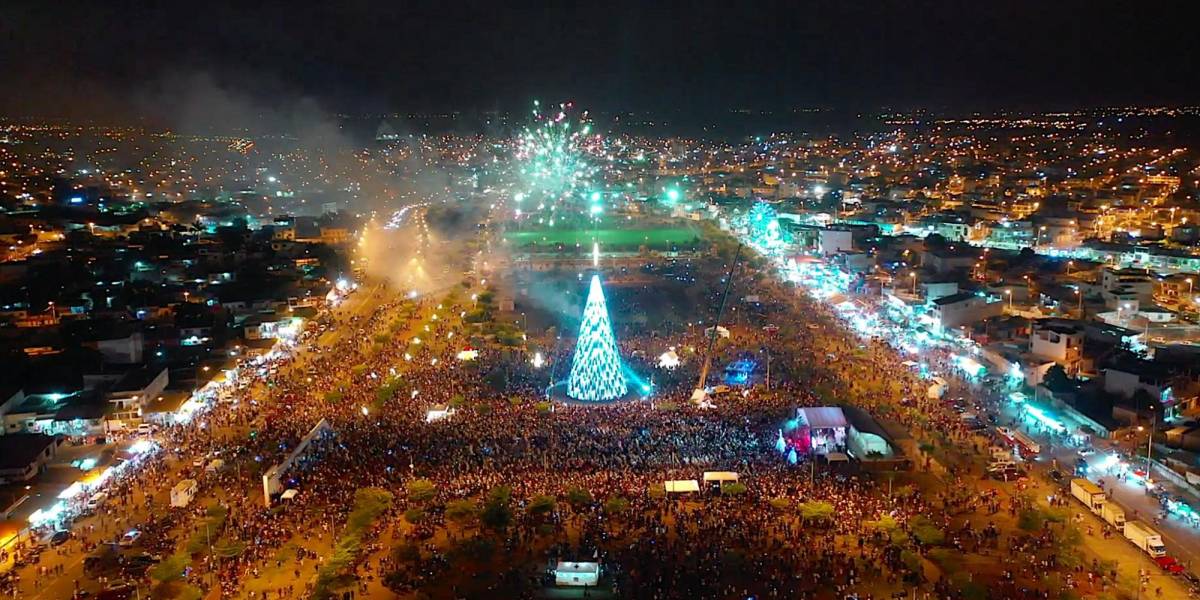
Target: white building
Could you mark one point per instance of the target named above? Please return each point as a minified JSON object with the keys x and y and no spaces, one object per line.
{"x":963,"y":309}
{"x":1057,"y":342}
{"x":834,"y":241}
{"x":135,"y":390}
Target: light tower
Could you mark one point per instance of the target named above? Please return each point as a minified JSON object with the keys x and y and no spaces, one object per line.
{"x":596,"y":369}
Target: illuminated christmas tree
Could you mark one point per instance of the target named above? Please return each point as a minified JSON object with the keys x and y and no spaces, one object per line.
{"x":596,"y":370}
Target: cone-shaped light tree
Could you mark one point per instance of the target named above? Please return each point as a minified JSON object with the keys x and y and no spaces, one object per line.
{"x":596,"y":369}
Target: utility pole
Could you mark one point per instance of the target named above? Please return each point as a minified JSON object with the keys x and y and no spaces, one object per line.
{"x":712,"y":339}
{"x":768,"y":367}
{"x":1150,"y":442}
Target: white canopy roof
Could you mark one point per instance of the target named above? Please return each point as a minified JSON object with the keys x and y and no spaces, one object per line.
{"x":720,"y":476}
{"x":679,"y":486}
{"x":577,"y":567}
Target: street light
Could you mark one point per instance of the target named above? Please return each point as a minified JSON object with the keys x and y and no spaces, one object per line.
{"x":914,"y":280}
{"x":1070,"y":263}
{"x":1009,"y":292}
{"x":1079,"y":297}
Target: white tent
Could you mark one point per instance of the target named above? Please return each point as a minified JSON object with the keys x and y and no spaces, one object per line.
{"x":577,"y":573}
{"x":721,"y":476}
{"x":721,"y":331}
{"x":438,"y":412}
{"x":681,"y":486}
{"x":668,"y":359}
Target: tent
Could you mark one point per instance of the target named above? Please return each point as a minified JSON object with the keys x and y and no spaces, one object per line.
{"x":721,"y":331}
{"x":721,"y":476}
{"x":577,"y":573}
{"x":681,"y":486}
{"x":823,"y":417}
{"x":437,"y":412}
{"x":668,"y":359}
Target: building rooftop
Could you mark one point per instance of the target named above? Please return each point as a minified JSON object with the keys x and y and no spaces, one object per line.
{"x":137,"y":379}
{"x":17,"y":450}
{"x":953,"y":298}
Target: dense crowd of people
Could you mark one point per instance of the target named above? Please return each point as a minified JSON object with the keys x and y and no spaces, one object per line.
{"x":502,"y":434}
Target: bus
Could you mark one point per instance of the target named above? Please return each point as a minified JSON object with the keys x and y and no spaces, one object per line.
{"x":1026,"y":442}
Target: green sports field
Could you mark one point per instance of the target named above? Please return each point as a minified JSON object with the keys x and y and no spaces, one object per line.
{"x":653,"y":238}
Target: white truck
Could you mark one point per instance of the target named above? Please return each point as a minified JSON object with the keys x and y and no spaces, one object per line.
{"x":1088,"y":493}
{"x":1114,"y":515}
{"x":1145,"y":538}
{"x":183,"y":492}
{"x":937,"y":388}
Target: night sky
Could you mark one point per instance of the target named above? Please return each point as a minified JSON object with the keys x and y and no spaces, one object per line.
{"x":108,"y":58}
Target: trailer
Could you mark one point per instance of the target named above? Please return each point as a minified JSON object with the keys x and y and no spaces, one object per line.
{"x":1145,"y":538}
{"x":1088,"y":493}
{"x":183,"y":492}
{"x":1114,"y":515}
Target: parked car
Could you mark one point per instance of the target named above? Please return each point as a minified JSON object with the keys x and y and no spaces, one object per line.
{"x":117,"y":590}
{"x":1170,"y":565}
{"x":1009,"y":474}
{"x":130,"y":538}
{"x":60,"y":537}
{"x":96,"y":501}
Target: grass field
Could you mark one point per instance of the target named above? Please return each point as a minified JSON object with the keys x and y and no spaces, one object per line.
{"x":653,"y":238}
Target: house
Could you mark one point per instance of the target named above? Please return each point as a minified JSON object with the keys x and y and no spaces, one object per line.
{"x":81,"y":418}
{"x":136,"y":389}
{"x":1143,"y":381}
{"x":24,"y":455}
{"x":119,"y":343}
{"x":334,"y":235}
{"x":1126,"y":285}
{"x":964,"y":308}
{"x":939,"y":289}
{"x":834,"y":241}
{"x":1058,"y":341}
{"x":949,"y":259}
{"x":10,"y":398}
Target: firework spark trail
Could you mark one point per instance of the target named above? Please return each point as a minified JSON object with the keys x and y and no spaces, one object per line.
{"x":553,"y":155}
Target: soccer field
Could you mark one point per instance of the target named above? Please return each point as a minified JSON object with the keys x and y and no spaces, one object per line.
{"x":653,"y":238}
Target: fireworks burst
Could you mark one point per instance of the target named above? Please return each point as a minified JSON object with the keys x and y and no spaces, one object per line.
{"x":554,"y":154}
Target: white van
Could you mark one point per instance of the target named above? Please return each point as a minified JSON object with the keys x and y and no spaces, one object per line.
{"x":96,"y":501}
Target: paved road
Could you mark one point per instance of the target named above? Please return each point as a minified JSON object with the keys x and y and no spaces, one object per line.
{"x":1182,"y":540}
